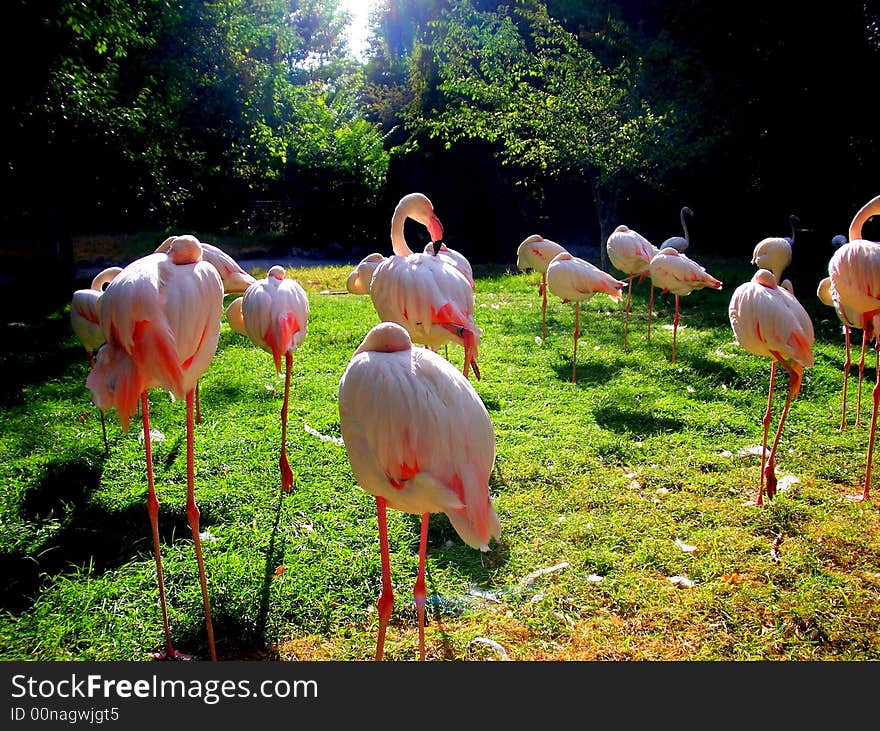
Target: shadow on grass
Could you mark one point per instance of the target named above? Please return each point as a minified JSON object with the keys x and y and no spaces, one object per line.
{"x":34,"y":353}
{"x":622,"y":420}
{"x":86,"y":534}
{"x":591,"y":373}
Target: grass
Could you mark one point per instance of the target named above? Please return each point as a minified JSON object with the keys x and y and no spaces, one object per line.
{"x":599,"y":480}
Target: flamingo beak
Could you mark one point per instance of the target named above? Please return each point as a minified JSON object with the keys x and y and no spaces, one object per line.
{"x":435,"y":229}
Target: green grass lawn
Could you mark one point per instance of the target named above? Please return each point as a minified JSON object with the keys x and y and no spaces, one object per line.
{"x":608,"y":481}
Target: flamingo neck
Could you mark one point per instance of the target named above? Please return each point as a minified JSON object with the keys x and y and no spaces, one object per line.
{"x":398,"y":241}
{"x":684,"y":226}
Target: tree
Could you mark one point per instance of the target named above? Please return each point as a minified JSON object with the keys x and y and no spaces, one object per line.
{"x":518,"y":78}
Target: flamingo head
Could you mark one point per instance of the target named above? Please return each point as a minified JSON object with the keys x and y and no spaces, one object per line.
{"x":386,"y":337}
{"x":185,"y":250}
{"x":276,"y":272}
{"x":765,"y":278}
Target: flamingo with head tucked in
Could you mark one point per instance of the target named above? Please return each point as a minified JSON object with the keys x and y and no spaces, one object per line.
{"x":418,"y":439}
{"x":768,"y":320}
{"x":573,"y":279}
{"x":536,"y":252}
{"x":161,"y":321}
{"x":86,"y":324}
{"x":358,"y":281}
{"x":425,"y":294}
{"x":631,"y":252}
{"x":676,"y":273}
{"x":274,"y":314}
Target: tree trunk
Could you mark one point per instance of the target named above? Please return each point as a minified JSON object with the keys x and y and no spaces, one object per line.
{"x":606,"y":200}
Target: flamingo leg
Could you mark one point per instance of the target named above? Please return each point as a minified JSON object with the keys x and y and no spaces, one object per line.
{"x":876,"y":395}
{"x":650,"y":310}
{"x":286,"y":472}
{"x":861,"y":375}
{"x":198,"y":406}
{"x":192,"y":514}
{"x":386,"y":598}
{"x":101,"y":413}
{"x":674,"y":328}
{"x":846,"y":366}
{"x":770,"y":470}
{"x":577,"y":333}
{"x":153,"y":511}
{"x":419,"y":590}
{"x":543,"y":291}
{"x":626,"y":320}
{"x":766,"y":422}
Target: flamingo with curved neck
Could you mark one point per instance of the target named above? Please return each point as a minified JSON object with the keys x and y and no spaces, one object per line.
{"x":425,"y":293}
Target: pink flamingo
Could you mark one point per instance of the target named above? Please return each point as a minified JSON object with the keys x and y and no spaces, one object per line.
{"x":235,"y":281}
{"x":274,"y":314}
{"x":161,"y":320}
{"x":576,"y":280}
{"x":631,"y":252}
{"x":854,"y":271}
{"x":768,"y":320}
{"x":419,"y":439}
{"x":358,"y":281}
{"x":676,"y":273}
{"x":85,"y":321}
{"x":425,"y":293}
{"x":536,"y":252}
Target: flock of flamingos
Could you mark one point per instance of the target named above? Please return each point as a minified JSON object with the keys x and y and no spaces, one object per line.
{"x":417,"y":435}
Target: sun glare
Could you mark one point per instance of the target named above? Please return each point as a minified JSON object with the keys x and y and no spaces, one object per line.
{"x":358,"y":29}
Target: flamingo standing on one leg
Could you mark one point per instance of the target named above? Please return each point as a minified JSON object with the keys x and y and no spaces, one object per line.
{"x":631,"y":252}
{"x":274,"y":314}
{"x":86,"y":324}
{"x":676,"y":273}
{"x":768,"y":320}
{"x":358,"y":281}
{"x":575,"y":280}
{"x":536,"y":252}
{"x":679,"y":243}
{"x":425,"y":293}
{"x":161,"y":319}
{"x":854,"y":271}
{"x":420,"y":440}
{"x":235,"y":281}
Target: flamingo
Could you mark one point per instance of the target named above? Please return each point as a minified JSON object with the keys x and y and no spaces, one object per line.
{"x":85,"y":321}
{"x":675,"y":272}
{"x":274,"y":314}
{"x":773,"y":253}
{"x":631,"y":252}
{"x":457,"y":259}
{"x":536,"y":252}
{"x":850,"y":320}
{"x":680,"y":243}
{"x":575,"y":280}
{"x":358,"y":281}
{"x":235,"y":281}
{"x":425,"y":293}
{"x":161,"y":320}
{"x":418,"y":439}
{"x":768,"y":320}
{"x":854,"y":270}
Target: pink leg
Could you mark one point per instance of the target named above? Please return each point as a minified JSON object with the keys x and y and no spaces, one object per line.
{"x":876,"y":395}
{"x":286,"y":472}
{"x":198,"y":405}
{"x":770,"y":470}
{"x":153,"y":511}
{"x":846,"y":367}
{"x":386,"y":599}
{"x":577,"y":333}
{"x":543,"y":290}
{"x":674,"y":328}
{"x":650,"y":310}
{"x":192,"y":513}
{"x":861,"y":375}
{"x":419,"y":590}
{"x":626,"y":321}
{"x":760,"y":500}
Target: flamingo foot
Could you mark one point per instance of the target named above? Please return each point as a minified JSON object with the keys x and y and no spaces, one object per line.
{"x":856,"y":498}
{"x":770,"y":477}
